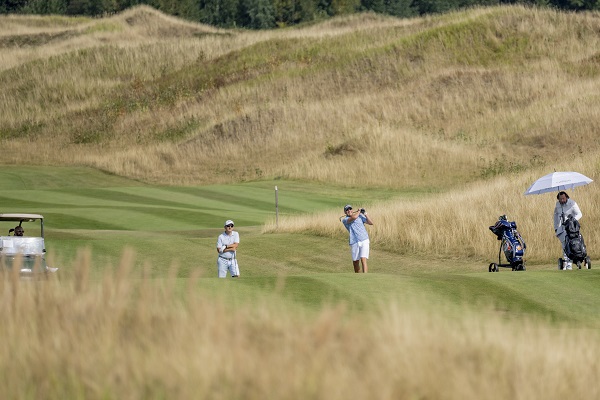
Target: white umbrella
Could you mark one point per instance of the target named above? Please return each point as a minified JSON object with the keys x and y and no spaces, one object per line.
{"x":558,"y":181}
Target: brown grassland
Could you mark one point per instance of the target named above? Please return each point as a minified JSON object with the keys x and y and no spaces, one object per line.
{"x":131,"y":338}
{"x":473,"y":106}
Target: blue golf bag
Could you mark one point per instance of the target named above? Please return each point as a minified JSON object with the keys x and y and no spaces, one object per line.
{"x":511,"y":244}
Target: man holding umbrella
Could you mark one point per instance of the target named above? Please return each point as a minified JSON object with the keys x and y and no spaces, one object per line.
{"x":565,"y":207}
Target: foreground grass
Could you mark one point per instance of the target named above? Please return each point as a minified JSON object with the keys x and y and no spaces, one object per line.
{"x":123,"y":336}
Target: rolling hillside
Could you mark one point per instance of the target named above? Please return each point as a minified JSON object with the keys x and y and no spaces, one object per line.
{"x":428,"y":102}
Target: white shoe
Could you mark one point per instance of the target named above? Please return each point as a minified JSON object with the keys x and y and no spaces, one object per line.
{"x":569,"y":266}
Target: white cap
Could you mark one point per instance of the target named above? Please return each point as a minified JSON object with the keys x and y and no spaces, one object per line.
{"x":229,"y":222}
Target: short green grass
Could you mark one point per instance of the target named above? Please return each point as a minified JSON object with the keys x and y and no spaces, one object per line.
{"x":174,"y":230}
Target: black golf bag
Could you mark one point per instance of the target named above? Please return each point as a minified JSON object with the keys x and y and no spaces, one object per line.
{"x":574,"y":245}
{"x":512,"y":245}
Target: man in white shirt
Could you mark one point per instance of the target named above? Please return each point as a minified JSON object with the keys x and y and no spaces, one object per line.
{"x":227,"y":244}
{"x":564,"y":208}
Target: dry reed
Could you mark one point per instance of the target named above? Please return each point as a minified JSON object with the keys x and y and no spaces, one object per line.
{"x":455,"y":224}
{"x":123,"y":335}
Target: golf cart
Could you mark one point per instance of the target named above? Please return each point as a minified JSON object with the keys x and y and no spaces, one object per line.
{"x":21,"y":245}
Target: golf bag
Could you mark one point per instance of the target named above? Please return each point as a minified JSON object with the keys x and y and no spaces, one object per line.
{"x":574,"y":245}
{"x":511,"y":244}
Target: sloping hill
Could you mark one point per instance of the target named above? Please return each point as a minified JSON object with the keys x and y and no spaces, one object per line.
{"x":146,"y":23}
{"x":423,"y":102}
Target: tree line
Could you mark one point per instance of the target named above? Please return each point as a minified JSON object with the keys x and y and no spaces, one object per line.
{"x":267,"y":14}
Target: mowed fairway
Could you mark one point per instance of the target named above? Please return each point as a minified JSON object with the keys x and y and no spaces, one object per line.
{"x":168,"y":230}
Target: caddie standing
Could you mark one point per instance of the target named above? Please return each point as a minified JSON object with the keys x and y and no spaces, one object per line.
{"x":564,"y":208}
{"x":227,"y":244}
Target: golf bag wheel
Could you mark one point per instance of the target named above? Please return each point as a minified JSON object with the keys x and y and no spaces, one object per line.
{"x":560,"y":263}
{"x":588,"y":263}
{"x":493,"y":267}
{"x":519,"y":267}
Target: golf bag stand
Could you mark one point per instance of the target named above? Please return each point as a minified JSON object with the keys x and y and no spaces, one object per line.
{"x":511,"y":244}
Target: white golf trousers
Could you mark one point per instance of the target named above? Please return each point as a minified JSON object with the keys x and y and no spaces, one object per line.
{"x":227,"y":264}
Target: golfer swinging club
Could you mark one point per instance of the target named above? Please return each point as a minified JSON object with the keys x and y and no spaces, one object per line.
{"x":354,"y":222}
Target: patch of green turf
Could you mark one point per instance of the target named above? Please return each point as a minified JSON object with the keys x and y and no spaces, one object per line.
{"x":43,"y":177}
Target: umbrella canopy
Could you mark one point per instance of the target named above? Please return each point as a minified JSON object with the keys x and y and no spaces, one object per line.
{"x":558,"y":181}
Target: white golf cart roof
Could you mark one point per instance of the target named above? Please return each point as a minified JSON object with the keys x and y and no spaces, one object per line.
{"x":20,"y":217}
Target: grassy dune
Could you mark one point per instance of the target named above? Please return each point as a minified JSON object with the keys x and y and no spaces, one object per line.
{"x":423,"y":102}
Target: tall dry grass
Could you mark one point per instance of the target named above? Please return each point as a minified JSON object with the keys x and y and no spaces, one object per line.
{"x":387,"y":102}
{"x":123,"y":335}
{"x":455,"y":224}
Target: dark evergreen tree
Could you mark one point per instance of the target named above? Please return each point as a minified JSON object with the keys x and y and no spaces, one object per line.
{"x":324,"y":8}
{"x":189,"y":10}
{"x":168,"y":7}
{"x":291,"y":12}
{"x":578,"y":5}
{"x":43,"y":7}
{"x":339,"y":7}
{"x":77,"y":7}
{"x":125,"y":4}
{"x":257,"y":14}
{"x":377,"y":6}
{"x":11,"y":6}
{"x":223,"y":13}
{"x":400,"y":8}
{"x":266,"y":14}
{"x":95,"y":7}
{"x":436,"y":6}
